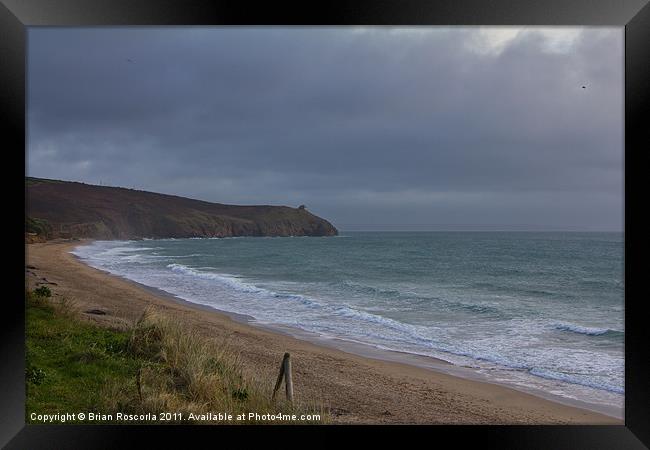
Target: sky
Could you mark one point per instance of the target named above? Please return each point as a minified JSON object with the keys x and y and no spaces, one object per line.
{"x":378,"y":128}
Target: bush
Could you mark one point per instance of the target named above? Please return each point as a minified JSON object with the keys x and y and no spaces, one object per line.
{"x":43,"y":291}
{"x":34,"y":375}
{"x":39,"y":226}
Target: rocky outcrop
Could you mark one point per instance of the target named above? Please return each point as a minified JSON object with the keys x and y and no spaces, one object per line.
{"x":78,"y":210}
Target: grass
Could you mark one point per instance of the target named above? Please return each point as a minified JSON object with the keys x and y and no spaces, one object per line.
{"x":69,"y":362}
{"x":157,"y":366}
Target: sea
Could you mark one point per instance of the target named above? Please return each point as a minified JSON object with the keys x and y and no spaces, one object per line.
{"x":539,"y":311}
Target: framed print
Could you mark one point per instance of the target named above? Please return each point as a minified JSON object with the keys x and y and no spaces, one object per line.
{"x":365,"y":216}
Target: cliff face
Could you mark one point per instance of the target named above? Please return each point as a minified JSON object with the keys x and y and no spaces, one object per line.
{"x":70,"y":209}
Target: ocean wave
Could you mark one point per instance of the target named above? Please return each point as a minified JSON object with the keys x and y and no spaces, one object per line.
{"x":193,"y":255}
{"x":495,"y":361}
{"x":235,"y":283}
{"x":410,"y":330}
{"x":103,"y":252}
{"x":507,"y":364}
{"x":567,"y":378}
{"x":430,"y":300}
{"x":114,"y":250}
{"x":589,"y":331}
{"x":366,"y":289}
{"x":477,"y":307}
{"x":300,"y":298}
{"x":229,"y":280}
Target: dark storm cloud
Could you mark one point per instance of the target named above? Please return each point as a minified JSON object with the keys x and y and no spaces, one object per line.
{"x":379,"y":125}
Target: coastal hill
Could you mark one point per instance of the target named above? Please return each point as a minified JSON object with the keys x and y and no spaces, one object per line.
{"x":64,"y":209}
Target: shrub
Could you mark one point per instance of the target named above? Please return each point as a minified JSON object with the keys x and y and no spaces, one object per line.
{"x":39,"y":226}
{"x":34,"y":375}
{"x":43,"y":291}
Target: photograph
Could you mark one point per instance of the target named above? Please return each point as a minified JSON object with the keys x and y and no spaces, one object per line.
{"x":307,"y":223}
{"x":249,"y":225}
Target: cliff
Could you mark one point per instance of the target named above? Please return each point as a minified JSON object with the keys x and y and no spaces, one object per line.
{"x":77,"y":210}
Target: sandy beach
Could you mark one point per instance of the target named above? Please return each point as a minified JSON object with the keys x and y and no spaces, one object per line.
{"x":356,"y":389}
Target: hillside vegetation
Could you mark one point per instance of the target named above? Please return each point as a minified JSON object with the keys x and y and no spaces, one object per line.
{"x":63,"y":209}
{"x":150,"y":368}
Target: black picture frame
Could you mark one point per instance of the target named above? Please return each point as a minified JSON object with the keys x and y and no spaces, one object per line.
{"x":634,"y":15}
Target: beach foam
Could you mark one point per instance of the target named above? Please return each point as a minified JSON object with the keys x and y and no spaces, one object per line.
{"x":589,"y":331}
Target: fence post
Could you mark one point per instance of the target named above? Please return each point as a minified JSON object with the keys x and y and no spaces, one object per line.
{"x":285,"y":372}
{"x":288,"y":381}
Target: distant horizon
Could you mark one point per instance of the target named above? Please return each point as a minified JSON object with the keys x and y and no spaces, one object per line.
{"x":472,"y":229}
{"x":386,"y":227}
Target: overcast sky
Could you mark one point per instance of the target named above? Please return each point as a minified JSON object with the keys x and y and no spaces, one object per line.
{"x":371,"y":128}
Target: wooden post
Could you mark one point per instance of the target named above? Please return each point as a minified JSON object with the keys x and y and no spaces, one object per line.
{"x":285,"y":372}
{"x":288,"y":381}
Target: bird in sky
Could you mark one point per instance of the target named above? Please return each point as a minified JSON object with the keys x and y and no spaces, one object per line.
{"x":129,"y":60}
{"x":584,"y":87}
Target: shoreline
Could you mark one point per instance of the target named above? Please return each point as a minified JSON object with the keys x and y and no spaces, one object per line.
{"x":398,"y":383}
{"x":365,"y":350}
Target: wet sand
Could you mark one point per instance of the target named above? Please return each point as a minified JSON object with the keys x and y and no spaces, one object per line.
{"x":374,"y":389}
